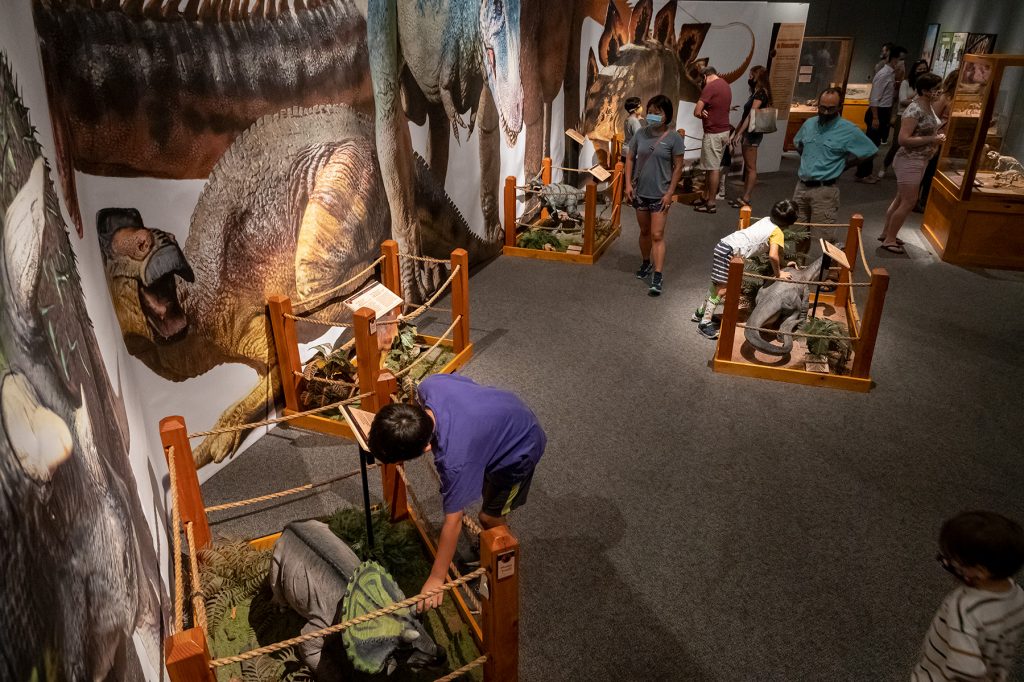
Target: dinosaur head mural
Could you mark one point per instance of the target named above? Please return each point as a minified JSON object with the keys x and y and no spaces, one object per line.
{"x":78,"y":563}
{"x":642,"y":60}
{"x":499,"y":29}
{"x":143,"y":266}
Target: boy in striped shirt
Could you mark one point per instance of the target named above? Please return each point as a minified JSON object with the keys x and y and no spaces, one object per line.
{"x":975,"y":632}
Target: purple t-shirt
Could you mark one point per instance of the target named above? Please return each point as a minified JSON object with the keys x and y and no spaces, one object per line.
{"x":479,"y":432}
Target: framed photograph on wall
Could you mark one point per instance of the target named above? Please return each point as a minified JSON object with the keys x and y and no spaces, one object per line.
{"x":980,"y":43}
{"x":931,"y":39}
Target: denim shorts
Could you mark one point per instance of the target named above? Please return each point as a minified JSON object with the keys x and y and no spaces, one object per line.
{"x":642,"y":204}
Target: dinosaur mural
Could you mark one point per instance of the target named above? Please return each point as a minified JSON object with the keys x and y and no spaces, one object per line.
{"x":433,"y":61}
{"x":638,"y":58}
{"x":291,"y":208}
{"x":782,"y":301}
{"x":161,"y":88}
{"x":78,"y":567}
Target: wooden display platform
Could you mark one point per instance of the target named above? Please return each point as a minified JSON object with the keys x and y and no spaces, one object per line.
{"x":733,"y":355}
{"x":591,"y":249}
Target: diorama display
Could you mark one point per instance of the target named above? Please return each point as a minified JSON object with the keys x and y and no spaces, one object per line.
{"x":561,"y":221}
{"x":325,"y":599}
{"x":824,"y":63}
{"x":976,"y":203}
{"x":813,"y":328}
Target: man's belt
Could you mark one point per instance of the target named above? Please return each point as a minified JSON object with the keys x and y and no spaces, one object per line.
{"x":818,"y":183}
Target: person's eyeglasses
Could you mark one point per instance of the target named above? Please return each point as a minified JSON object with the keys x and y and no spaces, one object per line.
{"x":827,"y":110}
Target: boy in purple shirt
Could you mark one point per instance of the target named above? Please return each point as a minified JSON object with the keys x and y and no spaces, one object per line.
{"x":485,"y":442}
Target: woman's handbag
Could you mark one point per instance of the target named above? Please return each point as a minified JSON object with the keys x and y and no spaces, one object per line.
{"x":764,"y":120}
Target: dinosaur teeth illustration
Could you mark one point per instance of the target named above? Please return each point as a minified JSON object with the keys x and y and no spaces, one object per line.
{"x":39,"y":438}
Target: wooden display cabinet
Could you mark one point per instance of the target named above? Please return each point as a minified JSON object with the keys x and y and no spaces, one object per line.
{"x":824,"y":62}
{"x":975,"y":212}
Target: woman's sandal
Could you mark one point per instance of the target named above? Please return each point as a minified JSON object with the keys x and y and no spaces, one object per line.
{"x":894,"y":248}
{"x":898,"y":241}
{"x":706,"y":208}
{"x":738,"y":203}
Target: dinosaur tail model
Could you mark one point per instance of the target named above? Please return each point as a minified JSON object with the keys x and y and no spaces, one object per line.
{"x":784,"y":300}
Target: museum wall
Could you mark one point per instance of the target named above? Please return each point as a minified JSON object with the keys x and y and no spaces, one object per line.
{"x":81,"y":472}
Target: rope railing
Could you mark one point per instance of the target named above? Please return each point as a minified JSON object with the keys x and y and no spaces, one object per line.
{"x":822,"y":226}
{"x":198,"y":600}
{"x":418,"y":508}
{"x":285,"y":493}
{"x":423,"y":356}
{"x":179,"y":597}
{"x":340,"y":627}
{"x":278,"y":420}
{"x":798,"y":334}
{"x":456,"y":674}
{"x":350,"y":281}
{"x":863,"y":257}
{"x":423,"y":259}
{"x":324,"y":380}
{"x":429,"y":302}
{"x":826,"y":283}
{"x":312,"y":319}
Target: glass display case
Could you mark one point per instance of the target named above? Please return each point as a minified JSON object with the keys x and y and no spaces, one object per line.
{"x":824,"y":62}
{"x":975,"y":209}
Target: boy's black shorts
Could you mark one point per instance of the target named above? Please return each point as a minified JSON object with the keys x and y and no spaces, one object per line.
{"x":500,"y":499}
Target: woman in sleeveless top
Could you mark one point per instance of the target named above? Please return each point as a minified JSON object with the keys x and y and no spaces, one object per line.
{"x":919,"y":136}
{"x":760,"y":97}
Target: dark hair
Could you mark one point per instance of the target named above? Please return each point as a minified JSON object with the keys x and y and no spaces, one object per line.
{"x":784,"y":213}
{"x":927,"y":81}
{"x":896,"y":51}
{"x":950,"y":81}
{"x":663,"y":103}
{"x":986,"y":539}
{"x":761,"y":82}
{"x":912,"y":72}
{"x":832,"y":90}
{"x":400,"y":432}
{"x":632,"y":104}
{"x":709,"y":71}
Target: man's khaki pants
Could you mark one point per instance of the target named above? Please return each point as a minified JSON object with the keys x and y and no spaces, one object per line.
{"x":816,"y":205}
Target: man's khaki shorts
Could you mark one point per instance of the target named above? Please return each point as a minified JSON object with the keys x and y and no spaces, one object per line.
{"x":711,"y":150}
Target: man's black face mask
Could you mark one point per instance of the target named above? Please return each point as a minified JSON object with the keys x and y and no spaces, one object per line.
{"x":827,"y":114}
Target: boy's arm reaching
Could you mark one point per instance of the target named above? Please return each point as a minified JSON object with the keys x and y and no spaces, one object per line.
{"x":445,"y":552}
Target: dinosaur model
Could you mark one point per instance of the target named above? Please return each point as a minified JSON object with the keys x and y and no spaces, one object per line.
{"x":643,"y":61}
{"x":293,"y":207}
{"x":438,"y":60}
{"x":563,"y":200}
{"x":785,"y":301}
{"x":80,"y":577}
{"x":318,"y":576}
{"x":161,"y":88}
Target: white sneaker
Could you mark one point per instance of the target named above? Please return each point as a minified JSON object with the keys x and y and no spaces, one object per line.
{"x":881,"y":173}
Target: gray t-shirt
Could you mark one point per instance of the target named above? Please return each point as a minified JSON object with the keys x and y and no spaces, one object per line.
{"x":633,"y":124}
{"x":655,"y":178}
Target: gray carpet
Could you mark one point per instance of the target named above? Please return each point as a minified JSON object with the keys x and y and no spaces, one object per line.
{"x":686,"y":525}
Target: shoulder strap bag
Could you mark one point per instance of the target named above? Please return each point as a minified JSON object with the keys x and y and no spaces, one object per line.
{"x":763,"y":120}
{"x":647,"y":156}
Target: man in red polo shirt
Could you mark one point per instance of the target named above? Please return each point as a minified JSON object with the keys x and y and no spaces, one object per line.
{"x":713,"y":110}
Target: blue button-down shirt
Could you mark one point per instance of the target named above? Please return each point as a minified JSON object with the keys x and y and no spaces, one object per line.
{"x":826,"y":147}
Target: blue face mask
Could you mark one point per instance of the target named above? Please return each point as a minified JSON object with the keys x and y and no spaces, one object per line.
{"x":654,"y":119}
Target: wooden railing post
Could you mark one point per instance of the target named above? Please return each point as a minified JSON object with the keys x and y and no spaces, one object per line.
{"x":187,"y":657}
{"x":617,"y":191}
{"x":865,"y":347}
{"x":615,"y":147}
{"x":367,"y":356}
{"x":499,"y":553}
{"x":745,"y":217}
{"x":392,"y":485}
{"x":286,"y":347}
{"x":589,"y":218}
{"x":510,"y":210}
{"x":391,"y":272}
{"x":190,"y":499}
{"x":852,"y":246}
{"x":727,"y":330}
{"x":460,"y":300}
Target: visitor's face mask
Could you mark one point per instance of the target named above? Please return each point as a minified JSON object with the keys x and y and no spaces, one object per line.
{"x":827,"y":114}
{"x":654,"y":119}
{"x":750,"y":82}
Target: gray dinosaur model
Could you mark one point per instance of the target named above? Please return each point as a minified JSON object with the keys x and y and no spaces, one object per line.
{"x":786,"y":301}
{"x":313,"y":572}
{"x":562,"y":199}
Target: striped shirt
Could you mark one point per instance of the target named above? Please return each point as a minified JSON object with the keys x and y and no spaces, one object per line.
{"x":973,"y":636}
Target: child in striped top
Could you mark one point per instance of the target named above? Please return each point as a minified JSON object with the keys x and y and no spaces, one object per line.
{"x":975,"y":632}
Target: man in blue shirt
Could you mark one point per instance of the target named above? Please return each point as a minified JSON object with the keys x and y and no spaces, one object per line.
{"x":828,"y":145}
{"x":485,"y":441}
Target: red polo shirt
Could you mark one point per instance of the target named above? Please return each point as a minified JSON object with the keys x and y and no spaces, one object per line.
{"x":717,"y":98}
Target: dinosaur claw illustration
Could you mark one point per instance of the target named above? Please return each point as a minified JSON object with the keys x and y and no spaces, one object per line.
{"x":40,"y":439}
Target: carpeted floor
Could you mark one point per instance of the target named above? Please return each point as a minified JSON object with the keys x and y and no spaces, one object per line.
{"x":686,"y":525}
